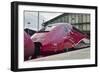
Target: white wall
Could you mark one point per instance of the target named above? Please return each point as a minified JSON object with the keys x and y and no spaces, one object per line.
{"x":5,"y":17}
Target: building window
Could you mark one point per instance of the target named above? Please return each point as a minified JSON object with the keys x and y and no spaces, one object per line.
{"x":80,"y":19}
{"x":77,"y":26}
{"x":84,"y":27}
{"x":84,"y":18}
{"x":63,"y":19}
{"x":88,"y":27}
{"x":66,"y":19}
{"x":73,"y":18}
{"x":76,"y":18}
{"x":88,"y":18}
{"x":80,"y":27}
{"x":59,"y":19}
{"x":70,"y":18}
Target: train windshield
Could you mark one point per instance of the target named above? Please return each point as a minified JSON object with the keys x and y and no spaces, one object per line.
{"x":49,"y":28}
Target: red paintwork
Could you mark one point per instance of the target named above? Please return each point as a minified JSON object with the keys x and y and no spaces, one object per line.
{"x":28,"y":46}
{"x":61,"y":37}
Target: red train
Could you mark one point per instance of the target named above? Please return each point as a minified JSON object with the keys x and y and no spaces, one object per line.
{"x":54,"y":39}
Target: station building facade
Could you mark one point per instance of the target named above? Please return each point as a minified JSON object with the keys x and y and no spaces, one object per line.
{"x":80,"y":21}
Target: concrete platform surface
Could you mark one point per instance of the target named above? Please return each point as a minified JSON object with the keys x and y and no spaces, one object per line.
{"x":76,"y":54}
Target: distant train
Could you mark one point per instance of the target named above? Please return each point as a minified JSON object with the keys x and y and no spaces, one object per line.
{"x":28,"y":46}
{"x":53,"y":39}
